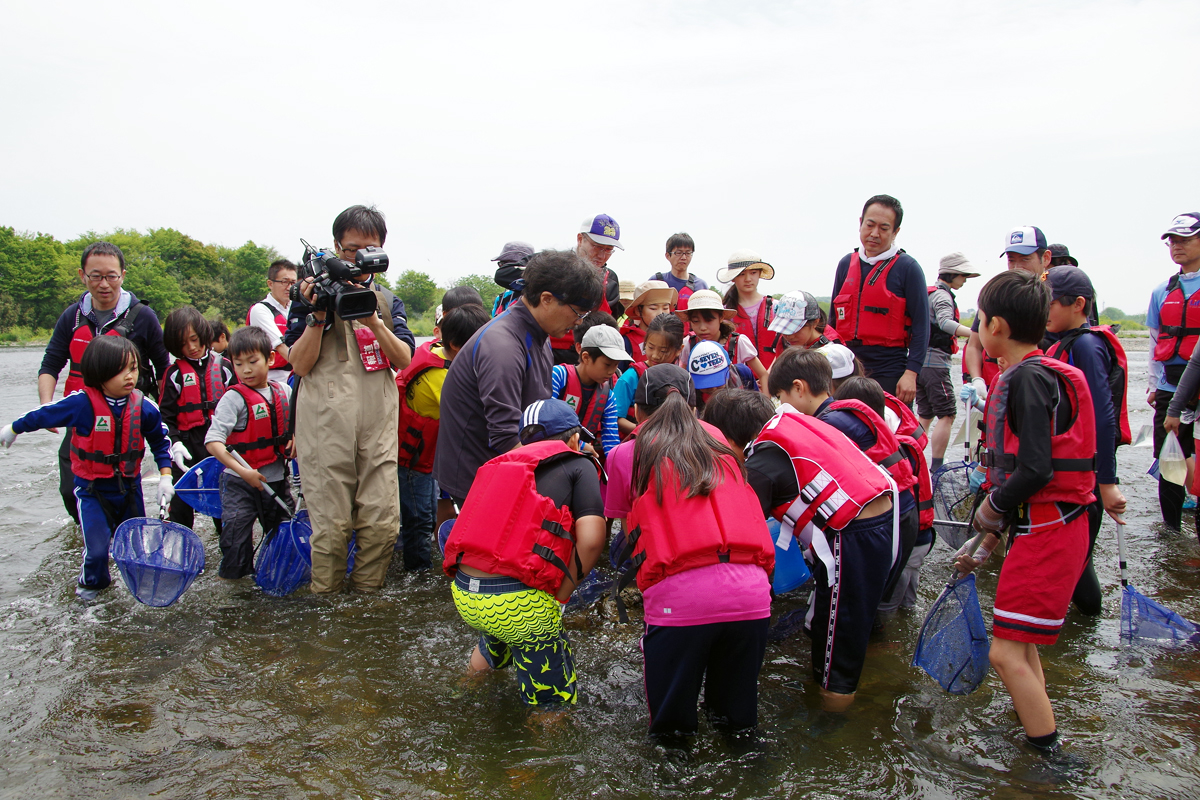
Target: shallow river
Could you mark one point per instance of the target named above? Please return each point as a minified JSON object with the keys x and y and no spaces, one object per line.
{"x":230,"y":693}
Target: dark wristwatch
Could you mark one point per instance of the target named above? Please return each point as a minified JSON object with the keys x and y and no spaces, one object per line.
{"x":311,"y":321}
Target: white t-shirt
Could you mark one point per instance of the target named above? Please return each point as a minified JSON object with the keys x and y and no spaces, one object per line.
{"x":264,"y":320}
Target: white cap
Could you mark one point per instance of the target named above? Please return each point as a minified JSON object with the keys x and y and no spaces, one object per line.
{"x":609,"y":340}
{"x":841,"y":358}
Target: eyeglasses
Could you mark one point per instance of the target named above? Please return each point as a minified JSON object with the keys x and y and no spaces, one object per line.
{"x":114,"y":277}
{"x":579,"y":315}
{"x":1174,"y":239}
{"x":288,"y":284}
{"x":682,"y":253}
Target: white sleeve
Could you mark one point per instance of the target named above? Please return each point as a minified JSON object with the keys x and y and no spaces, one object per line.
{"x":746,"y":350}
{"x":264,"y":320}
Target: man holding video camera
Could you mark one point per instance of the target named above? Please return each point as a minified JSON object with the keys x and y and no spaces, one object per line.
{"x":346,"y":405}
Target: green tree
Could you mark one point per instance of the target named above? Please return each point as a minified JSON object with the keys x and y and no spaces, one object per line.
{"x":484,"y":284}
{"x":36,"y":273}
{"x":418,"y":291}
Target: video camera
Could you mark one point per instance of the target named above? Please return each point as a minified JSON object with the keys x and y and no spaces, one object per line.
{"x":332,"y":276}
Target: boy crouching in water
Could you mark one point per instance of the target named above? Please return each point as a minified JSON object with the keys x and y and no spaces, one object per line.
{"x":1040,"y":458}
{"x":531,"y":527}
{"x":251,"y":420}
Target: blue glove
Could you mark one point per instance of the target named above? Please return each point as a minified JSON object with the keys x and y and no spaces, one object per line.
{"x":967,"y":394}
{"x":977,"y":478}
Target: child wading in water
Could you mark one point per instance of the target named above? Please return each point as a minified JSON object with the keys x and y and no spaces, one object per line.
{"x":710,"y":323}
{"x":702,"y":556}
{"x":251,"y":420}
{"x":752,"y":312}
{"x":112,"y":421}
{"x":1040,"y":456}
{"x":190,"y":390}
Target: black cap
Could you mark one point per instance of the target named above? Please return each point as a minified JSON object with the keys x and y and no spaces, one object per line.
{"x":1065,"y":281}
{"x":659,"y":381}
{"x":1058,"y":251}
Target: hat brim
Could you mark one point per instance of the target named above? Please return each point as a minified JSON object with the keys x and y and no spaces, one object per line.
{"x":712,"y":380}
{"x":682,"y":313}
{"x":654,"y":296}
{"x":605,"y":240}
{"x":615,"y":354}
{"x":1180,"y":233}
{"x":957,"y":271}
{"x":1025,"y":251}
{"x":786,"y":326}
{"x":726,"y":274}
{"x":539,"y":431}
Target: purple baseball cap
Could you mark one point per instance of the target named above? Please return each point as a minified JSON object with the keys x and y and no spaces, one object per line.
{"x":602,"y":229}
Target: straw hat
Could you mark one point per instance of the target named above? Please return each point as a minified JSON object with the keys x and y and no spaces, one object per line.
{"x":653,"y":292}
{"x":705,"y":300}
{"x":741,"y":261}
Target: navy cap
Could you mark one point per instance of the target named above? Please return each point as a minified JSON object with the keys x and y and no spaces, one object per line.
{"x":1026,"y":240}
{"x":548,"y":418}
{"x":1186,"y":225}
{"x":1061,"y":251}
{"x":1068,"y":281}
{"x":659,"y":381}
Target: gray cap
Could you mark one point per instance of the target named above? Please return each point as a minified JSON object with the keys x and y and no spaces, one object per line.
{"x":609,"y":340}
{"x":957,"y":264}
{"x":514,"y":251}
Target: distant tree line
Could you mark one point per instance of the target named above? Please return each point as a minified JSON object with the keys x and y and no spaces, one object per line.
{"x":168,"y":269}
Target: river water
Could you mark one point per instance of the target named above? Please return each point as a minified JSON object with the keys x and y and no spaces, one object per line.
{"x":230,"y":693}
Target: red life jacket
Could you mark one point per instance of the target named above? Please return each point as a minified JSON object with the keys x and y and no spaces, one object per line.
{"x":831,"y":334}
{"x":909,"y":424}
{"x":764,"y":340}
{"x":604,"y":306}
{"x":198,"y":395}
{"x":635,"y":335}
{"x":689,"y":288}
{"x":266,"y":434}
{"x":836,"y":482}
{"x":1072,"y":452}
{"x":1178,"y":324}
{"x":683,"y":533}
{"x":507,"y":528}
{"x":870,"y":314}
{"x":939,"y":338}
{"x":640,"y":368}
{"x":418,"y":434}
{"x":886,"y":450}
{"x":591,"y":417}
{"x":115,"y":446}
{"x":1118,"y":371}
{"x":83,"y":332}
{"x":276,"y":361}
{"x":923,"y":490}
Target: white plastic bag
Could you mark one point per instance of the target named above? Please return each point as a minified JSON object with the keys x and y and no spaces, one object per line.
{"x":1172,"y":465}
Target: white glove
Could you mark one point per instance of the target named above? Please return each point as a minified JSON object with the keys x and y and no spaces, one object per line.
{"x":980,"y":390}
{"x":180,"y":455}
{"x":166,"y":490}
{"x":7,"y":436}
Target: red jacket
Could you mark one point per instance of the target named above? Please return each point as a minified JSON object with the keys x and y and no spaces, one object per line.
{"x":909,"y":424}
{"x":869,"y":313}
{"x":592,"y":417}
{"x":276,"y":361}
{"x":84,"y":333}
{"x":266,"y":435}
{"x":635,"y":336}
{"x":766,"y":341}
{"x":507,"y":528}
{"x":418,"y":434}
{"x":1073,"y":452}
{"x":886,"y":452}
{"x":198,"y":395}
{"x":115,"y":445}
{"x":1179,"y":323}
{"x":683,"y":533}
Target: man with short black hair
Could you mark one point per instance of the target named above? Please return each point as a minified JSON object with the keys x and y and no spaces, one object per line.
{"x":680,"y":250}
{"x":104,"y":309}
{"x":270,"y":315}
{"x":506,"y":366}
{"x":879,"y":292}
{"x":347,"y":410}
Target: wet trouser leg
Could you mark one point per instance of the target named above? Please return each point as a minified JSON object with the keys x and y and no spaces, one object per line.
{"x":910,"y":528}
{"x":1170,"y":495}
{"x":417,"y":506}
{"x":1088,"y":598}
{"x":102,"y":505}
{"x":66,"y":478}
{"x":377,"y":501}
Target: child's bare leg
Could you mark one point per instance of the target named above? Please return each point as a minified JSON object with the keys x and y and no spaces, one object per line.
{"x":835,"y":702}
{"x":1018,"y":665}
{"x":478,"y":662}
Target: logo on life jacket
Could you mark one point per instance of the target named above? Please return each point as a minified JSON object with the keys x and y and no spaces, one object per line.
{"x":189,"y":379}
{"x":260,"y":410}
{"x":573,"y":402}
{"x":841,"y":313}
{"x":103,"y":424}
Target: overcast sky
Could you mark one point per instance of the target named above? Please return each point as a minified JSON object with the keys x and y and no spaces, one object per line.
{"x":760,"y":125}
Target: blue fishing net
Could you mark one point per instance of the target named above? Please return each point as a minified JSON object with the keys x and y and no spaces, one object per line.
{"x":1143,"y":618}
{"x":284,"y":562}
{"x":791,"y":570}
{"x":952,"y":502}
{"x":158,"y":560}
{"x":200,"y":487}
{"x":953,"y":645}
{"x":594,"y":586}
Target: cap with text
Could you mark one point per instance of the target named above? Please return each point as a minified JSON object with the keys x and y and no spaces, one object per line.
{"x":708,"y":365}
{"x":1186,"y":225}
{"x":602,"y":229}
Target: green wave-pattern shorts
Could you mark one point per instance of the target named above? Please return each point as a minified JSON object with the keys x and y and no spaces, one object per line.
{"x":521,"y":627}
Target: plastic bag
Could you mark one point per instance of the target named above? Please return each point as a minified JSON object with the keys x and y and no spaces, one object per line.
{"x":1172,"y":465}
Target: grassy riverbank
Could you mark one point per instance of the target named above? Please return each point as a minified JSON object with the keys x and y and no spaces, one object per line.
{"x":23,"y":336}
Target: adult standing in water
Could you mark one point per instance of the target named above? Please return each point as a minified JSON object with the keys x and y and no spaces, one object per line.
{"x":105,"y":309}
{"x":506,"y":365}
{"x":270,"y":315}
{"x":878,"y":292}
{"x":347,"y":411}
{"x":1174,"y":322}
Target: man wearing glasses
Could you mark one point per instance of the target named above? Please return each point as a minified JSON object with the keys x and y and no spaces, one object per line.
{"x":270,"y":315}
{"x":104,"y":309}
{"x":506,"y":366}
{"x":680,"y":249}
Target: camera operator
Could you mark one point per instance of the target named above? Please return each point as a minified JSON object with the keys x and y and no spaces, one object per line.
{"x":346,"y":408}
